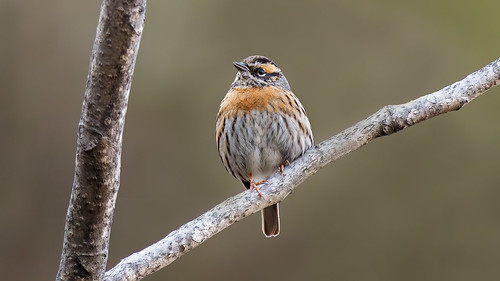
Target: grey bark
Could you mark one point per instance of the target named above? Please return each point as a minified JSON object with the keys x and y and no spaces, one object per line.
{"x":386,"y":121}
{"x":97,"y":171}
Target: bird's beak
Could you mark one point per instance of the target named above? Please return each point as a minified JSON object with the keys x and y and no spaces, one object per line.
{"x":241,"y":66}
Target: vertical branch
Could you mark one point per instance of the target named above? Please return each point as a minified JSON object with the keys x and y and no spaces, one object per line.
{"x":99,"y":144}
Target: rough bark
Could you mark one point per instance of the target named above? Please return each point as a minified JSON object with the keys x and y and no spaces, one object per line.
{"x":386,"y":121}
{"x":97,"y":171}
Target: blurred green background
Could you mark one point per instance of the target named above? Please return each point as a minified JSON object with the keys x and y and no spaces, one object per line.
{"x":422,"y":204}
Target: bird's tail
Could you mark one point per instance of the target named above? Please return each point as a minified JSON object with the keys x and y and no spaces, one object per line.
{"x":271,"y":221}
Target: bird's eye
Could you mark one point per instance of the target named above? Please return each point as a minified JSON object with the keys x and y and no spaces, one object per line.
{"x":261,"y":72}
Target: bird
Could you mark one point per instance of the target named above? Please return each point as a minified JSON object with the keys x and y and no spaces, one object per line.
{"x":261,"y":127}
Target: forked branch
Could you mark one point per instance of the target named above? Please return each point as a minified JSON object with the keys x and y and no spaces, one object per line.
{"x":386,"y":121}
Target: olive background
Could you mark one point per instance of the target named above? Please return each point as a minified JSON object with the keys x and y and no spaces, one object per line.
{"x":422,"y":204}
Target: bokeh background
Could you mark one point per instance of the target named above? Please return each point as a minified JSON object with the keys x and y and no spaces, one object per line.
{"x":422,"y":204}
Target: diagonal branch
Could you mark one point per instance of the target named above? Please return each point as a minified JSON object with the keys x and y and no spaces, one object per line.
{"x":97,"y":171}
{"x":386,"y":121}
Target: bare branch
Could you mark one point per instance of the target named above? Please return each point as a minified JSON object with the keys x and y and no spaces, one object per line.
{"x":386,"y":121}
{"x":97,"y":172}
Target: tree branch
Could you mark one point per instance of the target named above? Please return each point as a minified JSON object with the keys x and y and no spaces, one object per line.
{"x":97,"y":171}
{"x":386,"y":121}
